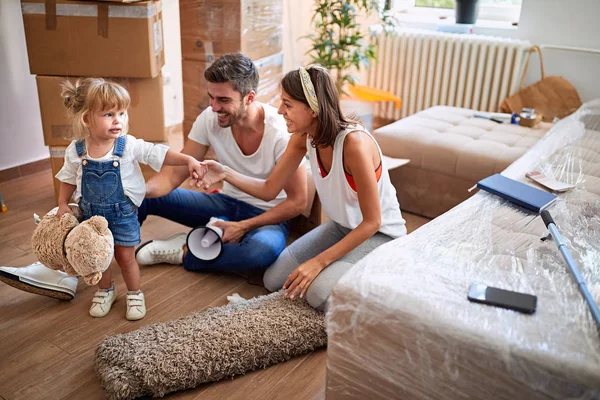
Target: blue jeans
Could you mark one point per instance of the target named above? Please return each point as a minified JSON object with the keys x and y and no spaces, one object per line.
{"x":258,"y":249}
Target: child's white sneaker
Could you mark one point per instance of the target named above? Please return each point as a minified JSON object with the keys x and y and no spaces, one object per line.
{"x":136,"y":306}
{"x":102,"y":301}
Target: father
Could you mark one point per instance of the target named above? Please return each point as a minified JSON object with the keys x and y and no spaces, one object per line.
{"x":248,"y":136}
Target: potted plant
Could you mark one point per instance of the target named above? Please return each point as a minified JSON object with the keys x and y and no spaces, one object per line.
{"x":339,"y":43}
{"x":466,"y":11}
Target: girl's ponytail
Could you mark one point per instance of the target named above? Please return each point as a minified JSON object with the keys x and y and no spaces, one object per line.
{"x":72,"y":99}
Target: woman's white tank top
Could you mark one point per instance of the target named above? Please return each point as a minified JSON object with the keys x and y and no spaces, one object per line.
{"x":340,"y":201}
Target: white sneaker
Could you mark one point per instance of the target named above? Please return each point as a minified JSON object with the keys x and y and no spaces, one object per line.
{"x":168,"y":251}
{"x":38,"y":279}
{"x":103,"y":301}
{"x":136,"y":306}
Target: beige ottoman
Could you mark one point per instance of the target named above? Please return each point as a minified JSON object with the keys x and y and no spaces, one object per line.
{"x":449,"y":151}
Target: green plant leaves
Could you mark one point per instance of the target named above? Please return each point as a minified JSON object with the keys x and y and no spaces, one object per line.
{"x":338,"y":42}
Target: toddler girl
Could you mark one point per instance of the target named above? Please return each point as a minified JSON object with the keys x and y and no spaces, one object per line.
{"x":102,"y":174}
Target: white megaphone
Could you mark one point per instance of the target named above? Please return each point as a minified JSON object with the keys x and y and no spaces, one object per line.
{"x":205,"y":242}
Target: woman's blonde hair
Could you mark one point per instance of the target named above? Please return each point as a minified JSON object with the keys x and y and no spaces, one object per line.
{"x":88,"y":95}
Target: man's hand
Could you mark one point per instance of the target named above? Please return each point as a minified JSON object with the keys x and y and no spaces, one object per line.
{"x":213,"y":172}
{"x":232,"y":231}
{"x":300,"y":279}
{"x":63,"y":209}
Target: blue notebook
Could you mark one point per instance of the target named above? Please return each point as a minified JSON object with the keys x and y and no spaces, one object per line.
{"x":517,"y":192}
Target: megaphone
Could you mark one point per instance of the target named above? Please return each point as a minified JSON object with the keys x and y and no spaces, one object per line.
{"x":205,"y":242}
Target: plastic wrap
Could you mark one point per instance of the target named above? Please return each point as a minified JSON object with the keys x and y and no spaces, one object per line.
{"x":211,"y":28}
{"x":399,"y":322}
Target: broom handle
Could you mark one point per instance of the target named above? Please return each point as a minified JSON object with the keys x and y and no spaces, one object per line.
{"x":572,"y":265}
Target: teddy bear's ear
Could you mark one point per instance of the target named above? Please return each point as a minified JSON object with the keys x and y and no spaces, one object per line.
{"x":100,"y":224}
{"x":93,"y":279}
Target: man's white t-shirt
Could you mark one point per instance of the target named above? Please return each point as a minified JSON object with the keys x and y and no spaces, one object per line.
{"x":206,"y":131}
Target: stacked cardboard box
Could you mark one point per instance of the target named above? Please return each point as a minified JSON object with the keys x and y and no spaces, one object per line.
{"x":91,"y":38}
{"x":120,"y":39}
{"x":211,"y":28}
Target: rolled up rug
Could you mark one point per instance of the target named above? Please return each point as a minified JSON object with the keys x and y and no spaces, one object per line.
{"x":208,"y":346}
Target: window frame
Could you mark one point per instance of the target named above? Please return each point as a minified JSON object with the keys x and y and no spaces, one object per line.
{"x":501,"y":13}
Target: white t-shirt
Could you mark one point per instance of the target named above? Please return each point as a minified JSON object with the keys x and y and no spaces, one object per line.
{"x":207,"y":132}
{"x":136,"y":150}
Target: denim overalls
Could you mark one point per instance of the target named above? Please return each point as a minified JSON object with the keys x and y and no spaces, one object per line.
{"x":102,"y":194}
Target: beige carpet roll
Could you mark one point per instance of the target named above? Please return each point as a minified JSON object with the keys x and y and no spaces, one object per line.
{"x":208,"y":346}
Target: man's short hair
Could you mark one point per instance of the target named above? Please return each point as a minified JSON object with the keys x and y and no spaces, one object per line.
{"x":236,"y":68}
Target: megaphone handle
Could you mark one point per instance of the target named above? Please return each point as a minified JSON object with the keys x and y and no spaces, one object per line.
{"x":209,"y":238}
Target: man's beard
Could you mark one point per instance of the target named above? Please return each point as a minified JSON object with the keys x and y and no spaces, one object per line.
{"x":235,"y":116}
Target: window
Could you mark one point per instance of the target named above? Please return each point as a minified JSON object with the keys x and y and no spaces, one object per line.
{"x":494,"y":10}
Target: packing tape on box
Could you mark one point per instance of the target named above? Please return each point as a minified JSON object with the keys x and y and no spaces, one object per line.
{"x":50,"y":15}
{"x":103,"y":20}
{"x":272,"y":60}
{"x":57,"y":152}
{"x":103,"y":12}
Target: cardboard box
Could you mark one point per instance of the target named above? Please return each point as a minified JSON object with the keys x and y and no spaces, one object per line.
{"x":211,"y":28}
{"x":84,"y":38}
{"x":187,"y":126}
{"x":195,"y":87}
{"x":270,"y":70}
{"x":146,"y":113}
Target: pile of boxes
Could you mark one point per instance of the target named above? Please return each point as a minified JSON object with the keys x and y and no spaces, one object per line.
{"x":121,"y":40}
{"x":211,"y":28}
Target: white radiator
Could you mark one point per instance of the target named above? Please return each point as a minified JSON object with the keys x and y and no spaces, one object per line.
{"x":427,"y":68}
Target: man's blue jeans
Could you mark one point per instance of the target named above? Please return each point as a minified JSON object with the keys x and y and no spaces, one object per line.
{"x":258,"y":249}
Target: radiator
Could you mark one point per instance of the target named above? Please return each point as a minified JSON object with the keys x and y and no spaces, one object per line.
{"x":427,"y":68}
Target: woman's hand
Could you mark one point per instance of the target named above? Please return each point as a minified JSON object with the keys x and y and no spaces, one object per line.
{"x":300,"y":279}
{"x":213,"y":172}
{"x":63,"y":209}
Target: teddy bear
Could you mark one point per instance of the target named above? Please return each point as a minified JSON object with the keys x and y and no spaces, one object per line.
{"x":77,"y":248}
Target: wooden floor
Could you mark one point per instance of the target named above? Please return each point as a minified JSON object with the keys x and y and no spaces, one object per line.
{"x":47,"y":346}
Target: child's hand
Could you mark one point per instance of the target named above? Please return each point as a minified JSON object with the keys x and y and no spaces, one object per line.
{"x":197,"y":170}
{"x":63,"y":209}
{"x":213,"y":173}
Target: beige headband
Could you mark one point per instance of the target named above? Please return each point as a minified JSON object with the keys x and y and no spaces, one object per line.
{"x":309,"y":90}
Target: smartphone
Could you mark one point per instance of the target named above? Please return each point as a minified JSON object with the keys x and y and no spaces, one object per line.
{"x":522,"y":302}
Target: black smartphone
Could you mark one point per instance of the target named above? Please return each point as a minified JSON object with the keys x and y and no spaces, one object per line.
{"x":522,"y":302}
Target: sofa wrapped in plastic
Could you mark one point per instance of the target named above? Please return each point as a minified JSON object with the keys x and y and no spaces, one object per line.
{"x":399,"y":323}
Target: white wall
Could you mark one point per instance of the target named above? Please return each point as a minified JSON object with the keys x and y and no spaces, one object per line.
{"x":296,"y":23}
{"x":173,"y":89}
{"x":21,"y":138}
{"x":573,"y":23}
